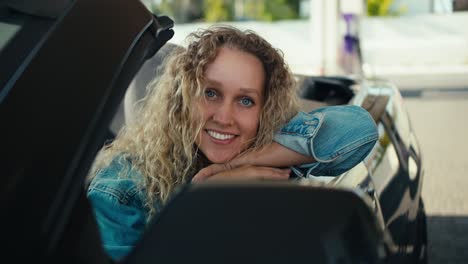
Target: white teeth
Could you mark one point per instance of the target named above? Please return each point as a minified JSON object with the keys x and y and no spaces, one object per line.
{"x":219,"y":136}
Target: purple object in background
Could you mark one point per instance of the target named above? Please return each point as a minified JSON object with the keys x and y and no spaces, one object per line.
{"x":349,"y":39}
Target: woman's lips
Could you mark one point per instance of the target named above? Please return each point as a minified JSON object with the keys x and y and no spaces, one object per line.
{"x":220,"y":137}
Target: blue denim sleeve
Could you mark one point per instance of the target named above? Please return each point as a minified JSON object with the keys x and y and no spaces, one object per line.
{"x":338,"y":137}
{"x":119,"y":210}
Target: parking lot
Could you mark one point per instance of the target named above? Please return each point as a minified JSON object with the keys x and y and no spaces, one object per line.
{"x":439,"y":120}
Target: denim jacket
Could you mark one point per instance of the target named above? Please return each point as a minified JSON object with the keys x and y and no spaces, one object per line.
{"x":338,"y":137}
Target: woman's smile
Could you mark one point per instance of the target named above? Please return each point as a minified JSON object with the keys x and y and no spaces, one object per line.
{"x":220,"y":137}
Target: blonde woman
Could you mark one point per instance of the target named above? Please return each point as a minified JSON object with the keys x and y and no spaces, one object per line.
{"x":224,"y":108}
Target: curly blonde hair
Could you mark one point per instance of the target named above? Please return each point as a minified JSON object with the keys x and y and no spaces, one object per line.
{"x":161,"y":143}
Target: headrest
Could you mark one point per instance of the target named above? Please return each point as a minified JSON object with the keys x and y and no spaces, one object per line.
{"x":138,"y":88}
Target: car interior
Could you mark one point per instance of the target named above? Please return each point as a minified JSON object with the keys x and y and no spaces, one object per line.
{"x":55,"y":125}
{"x":200,"y":214}
{"x":261,"y":223}
{"x":59,"y":91}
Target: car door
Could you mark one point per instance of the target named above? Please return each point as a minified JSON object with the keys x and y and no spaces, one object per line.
{"x":65,"y":65}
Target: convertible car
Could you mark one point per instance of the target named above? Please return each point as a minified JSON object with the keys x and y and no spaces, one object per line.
{"x":65,"y":66}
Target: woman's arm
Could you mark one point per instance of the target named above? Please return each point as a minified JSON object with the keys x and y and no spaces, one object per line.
{"x":273,"y":155}
{"x":244,"y":172}
{"x":329,"y":140}
{"x":262,"y":165}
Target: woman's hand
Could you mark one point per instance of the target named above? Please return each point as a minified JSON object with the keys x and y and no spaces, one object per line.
{"x":246,"y":172}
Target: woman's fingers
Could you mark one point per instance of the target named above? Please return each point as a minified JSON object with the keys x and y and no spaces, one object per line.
{"x":209,"y":171}
{"x":252,"y":173}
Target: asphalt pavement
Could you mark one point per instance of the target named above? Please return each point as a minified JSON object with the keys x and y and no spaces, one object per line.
{"x":440,"y":120}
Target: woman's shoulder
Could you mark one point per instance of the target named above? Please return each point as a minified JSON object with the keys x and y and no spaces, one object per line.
{"x":119,"y":181}
{"x":117,"y":199}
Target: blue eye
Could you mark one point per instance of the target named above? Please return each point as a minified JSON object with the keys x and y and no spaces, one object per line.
{"x":210,"y":93}
{"x":246,"y":101}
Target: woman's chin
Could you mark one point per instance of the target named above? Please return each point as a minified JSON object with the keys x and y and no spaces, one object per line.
{"x":220,"y":158}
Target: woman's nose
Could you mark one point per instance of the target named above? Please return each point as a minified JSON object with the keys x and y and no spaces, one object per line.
{"x":224,"y":114}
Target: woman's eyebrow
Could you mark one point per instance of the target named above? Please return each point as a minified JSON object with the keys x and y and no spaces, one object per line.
{"x":213,"y":82}
{"x":249,"y":90}
{"x":242,"y":89}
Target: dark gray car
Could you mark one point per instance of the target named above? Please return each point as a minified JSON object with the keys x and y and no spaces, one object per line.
{"x":64,"y":68}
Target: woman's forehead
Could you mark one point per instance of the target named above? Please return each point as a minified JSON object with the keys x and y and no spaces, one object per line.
{"x":237,"y":68}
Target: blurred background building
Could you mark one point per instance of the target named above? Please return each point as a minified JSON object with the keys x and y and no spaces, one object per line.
{"x":415,"y":43}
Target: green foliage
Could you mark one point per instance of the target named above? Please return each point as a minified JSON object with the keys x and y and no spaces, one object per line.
{"x":165,"y":7}
{"x":272,"y":10}
{"x":383,"y":8}
{"x":282,"y":9}
{"x":218,"y":10}
{"x":184,"y":11}
{"x":263,"y":10}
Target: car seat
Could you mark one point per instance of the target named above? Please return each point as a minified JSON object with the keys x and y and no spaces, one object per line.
{"x":138,"y":89}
